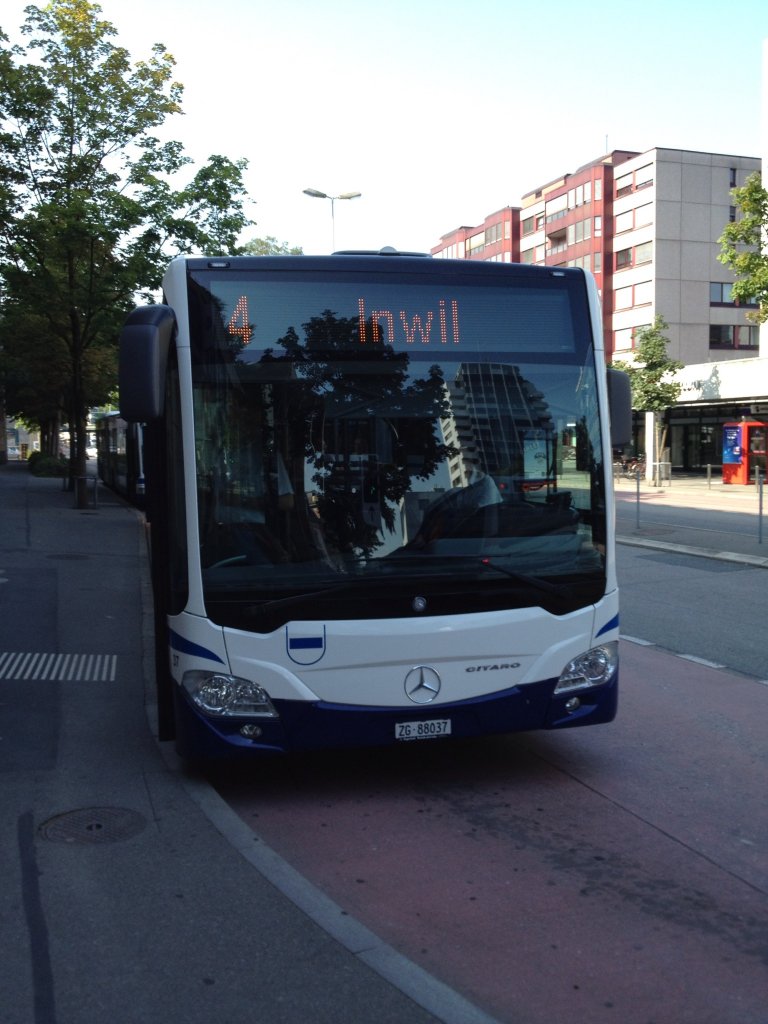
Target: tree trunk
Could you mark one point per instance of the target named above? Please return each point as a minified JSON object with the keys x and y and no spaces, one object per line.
{"x":78,"y":414}
{"x":661,"y":430}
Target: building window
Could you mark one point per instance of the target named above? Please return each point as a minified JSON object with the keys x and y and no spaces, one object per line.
{"x":493,"y":233}
{"x":582,"y":261}
{"x":721,"y":336}
{"x":578,"y":196}
{"x":720,"y":294}
{"x":623,"y":259}
{"x":644,"y":215}
{"x":528,"y":226}
{"x":527,"y":256}
{"x":634,"y":295}
{"x":636,"y":218}
{"x":732,"y":172}
{"x":749,"y":336}
{"x":623,"y":185}
{"x":644,"y":253}
{"x":623,"y":339}
{"x":624,"y":221}
{"x":641,"y":178}
{"x":730,"y":336}
{"x":580,"y":231}
{"x":732,"y":214}
{"x":644,"y":176}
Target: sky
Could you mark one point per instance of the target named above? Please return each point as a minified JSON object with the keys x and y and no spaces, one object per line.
{"x":439,"y":112}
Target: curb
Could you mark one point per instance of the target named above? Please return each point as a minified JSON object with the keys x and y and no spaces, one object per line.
{"x":755,"y":561}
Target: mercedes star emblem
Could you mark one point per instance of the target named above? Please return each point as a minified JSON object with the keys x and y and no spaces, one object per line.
{"x":422,"y":684}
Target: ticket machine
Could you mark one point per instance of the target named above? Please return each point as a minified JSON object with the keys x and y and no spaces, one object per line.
{"x":744,"y":450}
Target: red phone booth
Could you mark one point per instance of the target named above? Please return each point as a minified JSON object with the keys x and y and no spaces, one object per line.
{"x":744,"y":450}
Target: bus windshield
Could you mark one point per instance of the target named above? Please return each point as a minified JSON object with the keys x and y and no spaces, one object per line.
{"x":351,"y":430}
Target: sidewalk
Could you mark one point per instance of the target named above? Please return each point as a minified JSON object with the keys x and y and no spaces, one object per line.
{"x":131,"y":892}
{"x":693,"y":515}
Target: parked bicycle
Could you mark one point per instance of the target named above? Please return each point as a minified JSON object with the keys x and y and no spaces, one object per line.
{"x":628,"y":468}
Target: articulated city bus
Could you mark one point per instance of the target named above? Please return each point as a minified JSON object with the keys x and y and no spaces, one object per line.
{"x":380,"y":497}
{"x":120,"y":456}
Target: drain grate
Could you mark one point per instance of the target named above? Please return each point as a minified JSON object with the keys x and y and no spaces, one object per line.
{"x":93,"y":825}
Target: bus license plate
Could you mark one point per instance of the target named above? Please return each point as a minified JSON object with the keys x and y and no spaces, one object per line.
{"x":423,"y":730}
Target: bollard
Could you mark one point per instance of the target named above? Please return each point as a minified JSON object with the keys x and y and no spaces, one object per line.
{"x":637,"y":501}
{"x":709,"y":475}
{"x":81,"y":492}
{"x":759,"y":479}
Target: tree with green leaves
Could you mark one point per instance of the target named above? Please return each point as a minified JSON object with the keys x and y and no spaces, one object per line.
{"x":744,"y":247}
{"x":269,"y":246}
{"x":89,"y":214}
{"x":651,"y":375}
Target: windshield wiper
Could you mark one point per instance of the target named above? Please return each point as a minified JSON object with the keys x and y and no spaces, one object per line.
{"x":349,"y":585}
{"x":544,"y":586}
{"x":396,"y":581}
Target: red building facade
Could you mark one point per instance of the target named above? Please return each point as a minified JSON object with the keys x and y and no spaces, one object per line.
{"x":567,"y":222}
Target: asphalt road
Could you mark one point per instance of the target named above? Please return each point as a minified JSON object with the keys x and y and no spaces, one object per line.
{"x":700,"y":607}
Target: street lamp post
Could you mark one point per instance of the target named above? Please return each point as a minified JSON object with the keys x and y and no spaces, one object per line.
{"x":324,"y":195}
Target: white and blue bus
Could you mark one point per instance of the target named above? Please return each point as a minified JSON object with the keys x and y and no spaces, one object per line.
{"x":380,"y":498}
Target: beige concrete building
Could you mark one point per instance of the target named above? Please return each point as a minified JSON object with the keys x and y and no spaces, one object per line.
{"x":648,"y":225}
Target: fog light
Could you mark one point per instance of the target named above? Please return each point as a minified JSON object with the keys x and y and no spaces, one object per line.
{"x":251,"y":732}
{"x":220,"y":695}
{"x":593,"y":668}
{"x":572,"y":705}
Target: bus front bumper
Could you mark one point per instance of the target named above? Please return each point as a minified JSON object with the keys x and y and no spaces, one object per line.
{"x":315,"y":725}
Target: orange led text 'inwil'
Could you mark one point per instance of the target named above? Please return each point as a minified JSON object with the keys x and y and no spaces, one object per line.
{"x":416,"y":326}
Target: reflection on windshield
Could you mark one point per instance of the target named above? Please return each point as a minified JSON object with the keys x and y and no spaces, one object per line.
{"x":320,"y":459}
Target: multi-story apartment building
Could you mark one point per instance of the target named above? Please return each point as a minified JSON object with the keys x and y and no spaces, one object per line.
{"x":648,"y":225}
{"x":496,"y":239}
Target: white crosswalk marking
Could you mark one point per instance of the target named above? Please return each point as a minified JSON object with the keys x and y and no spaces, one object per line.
{"x":33,"y":666}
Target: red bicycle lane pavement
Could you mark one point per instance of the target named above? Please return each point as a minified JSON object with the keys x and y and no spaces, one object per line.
{"x":607,"y":874}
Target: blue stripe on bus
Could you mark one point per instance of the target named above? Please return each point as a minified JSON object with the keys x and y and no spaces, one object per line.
{"x":180,"y":643}
{"x":304,"y":643}
{"x":612,"y":624}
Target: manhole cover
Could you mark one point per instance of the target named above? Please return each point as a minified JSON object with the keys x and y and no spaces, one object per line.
{"x":93,"y":825}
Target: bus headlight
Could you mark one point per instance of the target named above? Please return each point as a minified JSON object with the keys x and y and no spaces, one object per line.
{"x":227,"y":696}
{"x":592,"y":668}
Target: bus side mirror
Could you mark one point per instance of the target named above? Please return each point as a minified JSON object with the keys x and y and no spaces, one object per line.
{"x":620,"y":407}
{"x":143,"y":359}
